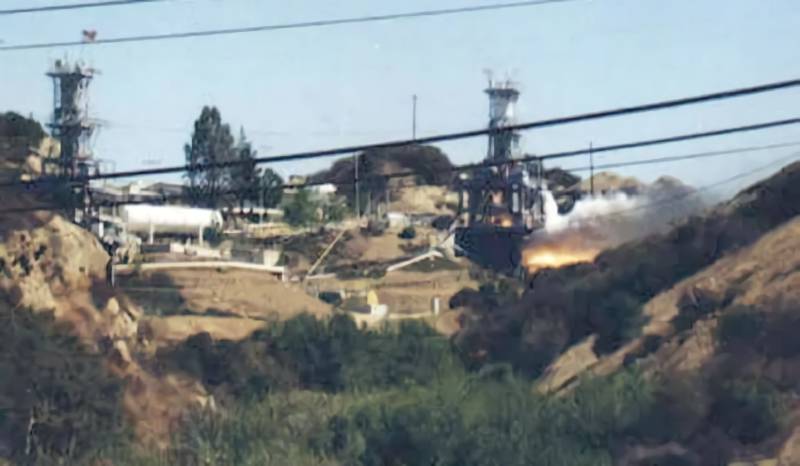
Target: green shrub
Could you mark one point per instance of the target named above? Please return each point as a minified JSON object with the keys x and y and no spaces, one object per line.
{"x":55,"y":395}
{"x":213,"y":236}
{"x":679,"y":407}
{"x":693,"y":306}
{"x":667,"y":460}
{"x":301,"y":210}
{"x":322,"y":354}
{"x":780,"y":335}
{"x":617,"y":319}
{"x":740,"y":328}
{"x":749,"y":411}
{"x":407,"y":233}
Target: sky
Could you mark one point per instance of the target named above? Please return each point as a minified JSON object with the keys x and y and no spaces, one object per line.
{"x":319,"y":88}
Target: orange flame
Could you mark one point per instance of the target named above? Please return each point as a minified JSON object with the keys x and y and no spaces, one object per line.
{"x":555,"y":256}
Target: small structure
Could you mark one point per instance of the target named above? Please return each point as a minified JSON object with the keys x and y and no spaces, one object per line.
{"x":173,"y":220}
{"x":323,"y":191}
{"x":397,"y":220}
{"x":365,"y":303}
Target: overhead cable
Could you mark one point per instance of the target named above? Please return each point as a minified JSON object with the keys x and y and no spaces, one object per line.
{"x":73,"y":6}
{"x":740,"y":92}
{"x":407,"y":173}
{"x":286,"y":26}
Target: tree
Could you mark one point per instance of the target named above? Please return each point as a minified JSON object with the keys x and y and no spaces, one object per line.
{"x":20,"y":131}
{"x":428,"y":165}
{"x":271,"y":188}
{"x":335,"y":210}
{"x":301,"y":210}
{"x":244,"y":178}
{"x":212,"y":143}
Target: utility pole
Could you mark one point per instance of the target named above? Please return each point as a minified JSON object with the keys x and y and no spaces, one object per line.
{"x":591,"y":169}
{"x":355,"y":179}
{"x":414,"y":117}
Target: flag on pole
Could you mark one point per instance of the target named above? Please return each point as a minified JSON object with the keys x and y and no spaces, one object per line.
{"x":89,"y":35}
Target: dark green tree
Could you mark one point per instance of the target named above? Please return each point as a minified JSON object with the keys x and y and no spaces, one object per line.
{"x":212,"y":143}
{"x":19,"y":131}
{"x":271,"y":188}
{"x":244,"y":178}
{"x":335,"y":210}
{"x":301,"y":210}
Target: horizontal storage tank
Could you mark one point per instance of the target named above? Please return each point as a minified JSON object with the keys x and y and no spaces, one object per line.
{"x":168,"y":219}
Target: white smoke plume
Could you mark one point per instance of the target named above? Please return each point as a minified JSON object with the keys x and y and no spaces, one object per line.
{"x":600,"y":222}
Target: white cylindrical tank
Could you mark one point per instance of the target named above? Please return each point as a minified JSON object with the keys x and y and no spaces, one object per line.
{"x":168,"y":219}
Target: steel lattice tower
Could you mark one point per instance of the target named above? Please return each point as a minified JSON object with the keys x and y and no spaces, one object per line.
{"x":71,"y":124}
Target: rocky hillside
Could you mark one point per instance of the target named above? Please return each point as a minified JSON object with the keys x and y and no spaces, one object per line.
{"x":55,"y":271}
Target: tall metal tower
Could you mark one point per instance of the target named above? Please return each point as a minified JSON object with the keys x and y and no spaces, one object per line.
{"x":504,"y":197}
{"x":503,"y":96}
{"x":71,"y":124}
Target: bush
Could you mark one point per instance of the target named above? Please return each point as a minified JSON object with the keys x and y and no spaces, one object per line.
{"x":693,"y":306}
{"x":667,"y":460}
{"x":740,"y":328}
{"x":331,"y":297}
{"x":617,"y":319}
{"x":679,"y":407}
{"x":301,"y":210}
{"x":408,"y":233}
{"x":780,"y":335}
{"x":749,"y":411}
{"x":335,"y":211}
{"x":213,"y":236}
{"x":331,"y":355}
{"x":55,"y":395}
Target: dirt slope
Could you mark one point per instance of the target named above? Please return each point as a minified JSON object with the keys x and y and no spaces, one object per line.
{"x":765,"y":275}
{"x":237,"y":292}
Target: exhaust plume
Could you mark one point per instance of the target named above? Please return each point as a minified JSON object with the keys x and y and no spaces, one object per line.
{"x":600,"y":222}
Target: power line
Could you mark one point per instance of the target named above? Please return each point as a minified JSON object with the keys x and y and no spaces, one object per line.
{"x":486,"y":163}
{"x":740,"y":92}
{"x":456,"y":169}
{"x":74,"y":6}
{"x":285,"y":26}
{"x":705,"y":188}
{"x":676,"y":158}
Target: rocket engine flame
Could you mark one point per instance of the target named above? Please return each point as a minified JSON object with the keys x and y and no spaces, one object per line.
{"x":551,"y":255}
{"x":577,"y":236}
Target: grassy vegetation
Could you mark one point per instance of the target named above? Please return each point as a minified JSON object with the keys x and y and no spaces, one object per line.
{"x":55,"y":394}
{"x":325,"y":392}
{"x":466,"y":420}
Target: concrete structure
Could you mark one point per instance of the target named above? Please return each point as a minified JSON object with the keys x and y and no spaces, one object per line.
{"x":262,"y":256}
{"x":397,"y":220}
{"x":130,"y":268}
{"x":138,"y":191}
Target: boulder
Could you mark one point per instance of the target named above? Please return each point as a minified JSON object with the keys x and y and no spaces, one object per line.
{"x":112,"y":307}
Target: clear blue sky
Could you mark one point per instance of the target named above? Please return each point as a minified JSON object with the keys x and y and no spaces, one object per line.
{"x":333,"y":86}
